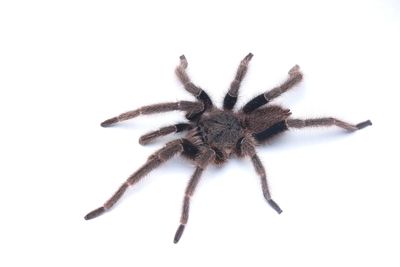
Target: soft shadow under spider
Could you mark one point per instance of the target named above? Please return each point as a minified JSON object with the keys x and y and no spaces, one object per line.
{"x":213,"y":135}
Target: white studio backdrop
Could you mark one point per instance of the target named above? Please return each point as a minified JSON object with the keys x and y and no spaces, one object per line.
{"x":67,"y":65}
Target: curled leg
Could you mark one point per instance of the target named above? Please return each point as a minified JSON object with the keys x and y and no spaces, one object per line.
{"x":202,"y":162}
{"x":199,"y":93}
{"x":232,"y":95}
{"x":295,"y":76}
{"x":190,"y":107}
{"x":153,"y":162}
{"x":247,"y":148}
{"x":297,"y":123}
{"x":147,"y":138}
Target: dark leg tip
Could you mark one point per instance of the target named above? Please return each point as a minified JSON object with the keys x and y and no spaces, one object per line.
{"x":275,"y":206}
{"x":363,"y":124}
{"x":143,"y":141}
{"x":109,"y":122}
{"x":184,"y":62}
{"x":249,"y":57}
{"x":179,"y":233}
{"x":95,"y":213}
{"x":295,"y":70}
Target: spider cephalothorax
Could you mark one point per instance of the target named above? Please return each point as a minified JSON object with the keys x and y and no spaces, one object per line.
{"x":220,"y":130}
{"x":214,"y":135}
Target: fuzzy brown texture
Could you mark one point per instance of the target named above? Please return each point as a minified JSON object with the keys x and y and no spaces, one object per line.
{"x":295,"y":76}
{"x":188,"y":194}
{"x":240,"y":73}
{"x":256,"y":121}
{"x":220,"y":129}
{"x":147,"y":138}
{"x":188,"y":106}
{"x":184,"y":77}
{"x":214,"y":135}
{"x":117,"y":195}
{"x":297,"y":123}
{"x":203,"y":161}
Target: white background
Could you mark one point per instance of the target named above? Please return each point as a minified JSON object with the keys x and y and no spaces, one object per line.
{"x":67,"y":65}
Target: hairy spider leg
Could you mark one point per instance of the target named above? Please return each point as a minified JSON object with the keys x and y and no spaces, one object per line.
{"x":248,"y":148}
{"x":154,"y":161}
{"x":199,"y":93}
{"x":232,"y":95}
{"x":264,"y":184}
{"x":149,"y":137}
{"x":295,"y":76}
{"x":298,"y":123}
{"x":188,"y":106}
{"x":205,"y":159}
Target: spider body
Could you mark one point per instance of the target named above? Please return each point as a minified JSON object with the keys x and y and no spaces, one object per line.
{"x":214,"y":135}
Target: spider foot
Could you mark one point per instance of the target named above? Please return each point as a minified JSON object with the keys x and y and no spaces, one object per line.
{"x":247,"y":58}
{"x":95,"y":213}
{"x":274,"y":206}
{"x":363,"y":124}
{"x":184,"y":62}
{"x":179,"y":233}
{"x":109,"y":122}
{"x":295,"y":70}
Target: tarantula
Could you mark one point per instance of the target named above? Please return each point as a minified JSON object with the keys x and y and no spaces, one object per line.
{"x":214,"y":135}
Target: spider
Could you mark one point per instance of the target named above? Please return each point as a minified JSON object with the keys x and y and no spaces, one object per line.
{"x":213,"y":135}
